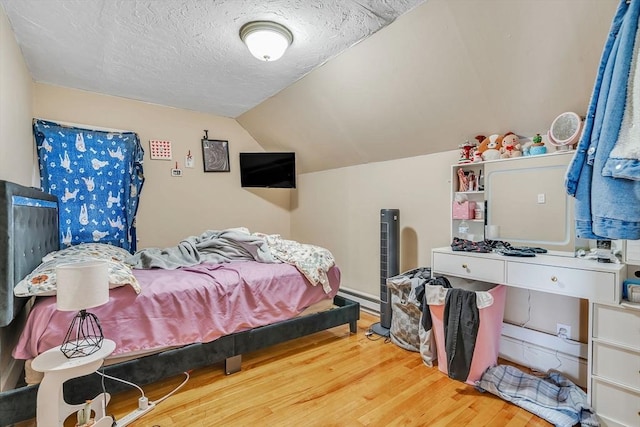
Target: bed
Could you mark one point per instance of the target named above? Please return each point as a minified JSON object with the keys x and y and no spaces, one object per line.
{"x":29,"y":232}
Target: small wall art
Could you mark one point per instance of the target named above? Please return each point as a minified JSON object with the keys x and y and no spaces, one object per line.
{"x":215,"y":155}
{"x":159,"y":150}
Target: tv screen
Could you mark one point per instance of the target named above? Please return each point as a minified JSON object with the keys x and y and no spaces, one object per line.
{"x":270,"y":170}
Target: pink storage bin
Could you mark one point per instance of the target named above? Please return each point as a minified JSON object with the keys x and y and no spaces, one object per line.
{"x":485,"y":353}
{"x":464,"y":210}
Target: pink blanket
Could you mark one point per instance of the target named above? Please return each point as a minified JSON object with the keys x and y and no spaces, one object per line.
{"x":184,"y":306}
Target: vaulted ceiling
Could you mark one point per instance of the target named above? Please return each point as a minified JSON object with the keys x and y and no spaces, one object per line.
{"x":364,"y":81}
{"x":185,"y":53}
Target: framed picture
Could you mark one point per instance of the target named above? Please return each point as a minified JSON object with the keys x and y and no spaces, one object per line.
{"x":215,"y":155}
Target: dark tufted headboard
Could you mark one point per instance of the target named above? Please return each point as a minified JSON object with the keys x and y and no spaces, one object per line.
{"x":28,"y":231}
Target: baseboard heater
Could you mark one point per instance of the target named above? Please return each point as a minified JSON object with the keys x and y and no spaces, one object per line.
{"x":367,"y":302}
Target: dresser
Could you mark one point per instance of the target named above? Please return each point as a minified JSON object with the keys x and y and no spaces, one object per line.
{"x":613,"y":385}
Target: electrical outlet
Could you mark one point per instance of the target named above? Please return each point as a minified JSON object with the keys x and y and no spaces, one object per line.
{"x":563,"y":330}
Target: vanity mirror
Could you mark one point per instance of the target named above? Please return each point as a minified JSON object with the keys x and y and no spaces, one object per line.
{"x":565,"y":130}
{"x":527,"y":204}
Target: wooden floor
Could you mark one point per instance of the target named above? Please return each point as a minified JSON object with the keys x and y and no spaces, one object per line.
{"x":330,"y":378}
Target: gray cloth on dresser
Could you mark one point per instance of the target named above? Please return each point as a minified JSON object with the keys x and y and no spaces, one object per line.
{"x":214,"y":246}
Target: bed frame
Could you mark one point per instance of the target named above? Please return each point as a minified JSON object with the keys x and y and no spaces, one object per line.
{"x":28,"y":231}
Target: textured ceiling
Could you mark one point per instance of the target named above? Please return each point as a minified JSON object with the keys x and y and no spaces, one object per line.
{"x":186,"y":53}
{"x":439,"y":75}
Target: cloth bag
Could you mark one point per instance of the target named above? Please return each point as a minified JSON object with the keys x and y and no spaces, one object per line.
{"x":406,"y":309}
{"x":427,"y":340}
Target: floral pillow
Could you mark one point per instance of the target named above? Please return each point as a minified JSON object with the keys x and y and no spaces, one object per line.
{"x":42,"y":280}
{"x":100,"y":251}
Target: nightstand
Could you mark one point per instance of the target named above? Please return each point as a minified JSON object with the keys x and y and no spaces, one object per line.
{"x":52,"y":409}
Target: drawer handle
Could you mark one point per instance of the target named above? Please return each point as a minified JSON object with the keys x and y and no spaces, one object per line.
{"x":465,"y":266}
{"x":554,"y":279}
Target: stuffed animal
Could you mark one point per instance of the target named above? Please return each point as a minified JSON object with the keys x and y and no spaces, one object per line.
{"x":537,"y":147}
{"x":489,"y":148}
{"x":510,"y":146}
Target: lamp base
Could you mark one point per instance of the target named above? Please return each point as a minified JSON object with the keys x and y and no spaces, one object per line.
{"x":84,"y":336}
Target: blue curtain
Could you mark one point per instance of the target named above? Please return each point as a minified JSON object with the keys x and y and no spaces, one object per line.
{"x":97,"y":177}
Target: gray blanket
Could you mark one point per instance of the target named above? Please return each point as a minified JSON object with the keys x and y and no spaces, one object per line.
{"x":211,"y":246}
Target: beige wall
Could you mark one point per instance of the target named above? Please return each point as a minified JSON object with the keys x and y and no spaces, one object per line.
{"x":16,"y":149}
{"x":16,"y":161}
{"x":340,"y":210}
{"x":172,"y":208}
{"x":437,"y":76}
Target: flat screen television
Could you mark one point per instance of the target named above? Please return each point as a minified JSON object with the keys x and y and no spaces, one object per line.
{"x":268,"y":170}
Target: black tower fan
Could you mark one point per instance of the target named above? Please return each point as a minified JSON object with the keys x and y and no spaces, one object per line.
{"x":389,"y":264}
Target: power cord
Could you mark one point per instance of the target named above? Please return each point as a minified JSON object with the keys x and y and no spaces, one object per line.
{"x":143,"y":401}
{"x":522,"y":325}
{"x":562,"y":334}
{"x":373,"y":336}
{"x":174,"y":390}
{"x":120,"y":380}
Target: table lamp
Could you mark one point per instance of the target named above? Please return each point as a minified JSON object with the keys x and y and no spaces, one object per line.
{"x":82,"y":285}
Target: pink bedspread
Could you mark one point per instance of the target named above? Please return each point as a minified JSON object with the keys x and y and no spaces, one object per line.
{"x":184,"y":306}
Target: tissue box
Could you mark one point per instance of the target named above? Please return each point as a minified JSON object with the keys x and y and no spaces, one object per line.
{"x":464,"y":210}
{"x":631,"y":290}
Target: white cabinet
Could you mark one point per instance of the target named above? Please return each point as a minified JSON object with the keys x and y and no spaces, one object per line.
{"x":471,"y":228}
{"x":615,"y":364}
{"x":614,"y":329}
{"x":469,"y":267}
{"x":633,"y":252}
{"x":570,"y":281}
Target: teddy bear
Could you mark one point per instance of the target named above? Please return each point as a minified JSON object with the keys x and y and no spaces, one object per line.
{"x":510,"y":146}
{"x":489,"y":148}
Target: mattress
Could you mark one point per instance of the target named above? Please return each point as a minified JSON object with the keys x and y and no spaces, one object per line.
{"x":184,"y":306}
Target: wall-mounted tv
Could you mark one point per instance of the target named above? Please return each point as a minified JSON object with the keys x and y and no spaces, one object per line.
{"x":268,"y":170}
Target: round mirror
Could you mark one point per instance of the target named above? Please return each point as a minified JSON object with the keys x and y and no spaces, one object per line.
{"x":565,"y":130}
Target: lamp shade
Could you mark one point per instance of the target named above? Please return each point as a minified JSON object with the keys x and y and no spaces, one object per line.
{"x":82,"y":285}
{"x":266,"y":40}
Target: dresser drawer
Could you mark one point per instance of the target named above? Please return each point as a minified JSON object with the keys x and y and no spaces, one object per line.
{"x":633,"y":252}
{"x":617,"y":325}
{"x":616,"y":404}
{"x":616,"y":364}
{"x":593,"y":285}
{"x":483,"y":269}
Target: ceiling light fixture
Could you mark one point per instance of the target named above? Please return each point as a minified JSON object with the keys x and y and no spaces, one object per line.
{"x":266,"y":40}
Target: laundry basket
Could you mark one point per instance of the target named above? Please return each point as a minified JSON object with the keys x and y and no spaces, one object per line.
{"x":490,"y":301}
{"x":405,"y":308}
